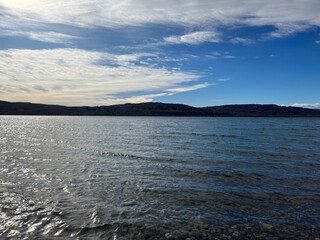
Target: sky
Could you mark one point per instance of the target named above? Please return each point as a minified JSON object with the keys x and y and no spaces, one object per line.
{"x":195,"y":52}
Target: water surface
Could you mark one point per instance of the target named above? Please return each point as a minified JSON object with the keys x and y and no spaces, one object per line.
{"x":159,"y":178}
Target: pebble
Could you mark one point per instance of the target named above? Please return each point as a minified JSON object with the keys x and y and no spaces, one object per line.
{"x":224,"y":237}
{"x":238,"y":234}
{"x":148,"y":226}
{"x":266,"y":227}
{"x":292,"y":229}
{"x":168,"y":236}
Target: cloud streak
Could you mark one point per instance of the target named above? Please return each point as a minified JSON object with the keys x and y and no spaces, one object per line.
{"x":194,"y":38}
{"x":288,"y":17}
{"x":306,"y":105}
{"x":188,"y":88}
{"x":284,"y":30}
{"x":43,"y":36}
{"x":244,"y":41}
{"x":168,"y":92}
{"x":77,"y":77}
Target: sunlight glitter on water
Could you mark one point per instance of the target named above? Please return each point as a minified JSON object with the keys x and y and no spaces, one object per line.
{"x":123,"y":178}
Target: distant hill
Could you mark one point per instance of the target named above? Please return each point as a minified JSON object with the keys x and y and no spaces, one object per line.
{"x":158,"y":109}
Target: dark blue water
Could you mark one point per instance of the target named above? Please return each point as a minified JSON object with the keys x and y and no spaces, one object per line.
{"x":159,"y":178}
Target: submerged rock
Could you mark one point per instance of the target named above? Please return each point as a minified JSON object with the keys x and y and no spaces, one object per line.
{"x":266,"y":227}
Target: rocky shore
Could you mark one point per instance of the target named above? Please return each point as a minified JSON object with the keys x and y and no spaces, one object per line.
{"x":260,"y":231}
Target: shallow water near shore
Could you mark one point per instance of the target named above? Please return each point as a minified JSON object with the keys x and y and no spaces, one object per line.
{"x":159,"y":178}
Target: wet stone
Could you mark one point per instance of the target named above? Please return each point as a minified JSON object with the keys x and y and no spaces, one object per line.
{"x":191,"y":238}
{"x":266,"y":227}
{"x":169,"y":236}
{"x":292,"y":229}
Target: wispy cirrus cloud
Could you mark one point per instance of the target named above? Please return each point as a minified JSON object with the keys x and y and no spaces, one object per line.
{"x":287,"y":29}
{"x":77,"y":77}
{"x":111,"y":13}
{"x":189,"y":88}
{"x":168,"y":92}
{"x":223,"y":79}
{"x":240,"y":40}
{"x":142,"y":98}
{"x":194,"y":38}
{"x":306,"y":105}
{"x":288,"y":17}
{"x":218,"y":55}
{"x":43,"y":36}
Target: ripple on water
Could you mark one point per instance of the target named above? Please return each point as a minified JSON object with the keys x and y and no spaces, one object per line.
{"x":156,"y":178}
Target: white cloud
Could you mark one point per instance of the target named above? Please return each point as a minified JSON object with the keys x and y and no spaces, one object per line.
{"x":193,"y":38}
{"x":223,"y":79}
{"x":210,"y":56}
{"x":306,"y":105}
{"x":245,"y":41}
{"x":188,"y":88}
{"x":287,"y":16}
{"x":168,"y":92}
{"x":143,"y":98}
{"x":43,"y":36}
{"x":229,"y":57}
{"x":217,"y":55}
{"x":129,"y":59}
{"x":318,"y":42}
{"x":78,"y":77}
{"x":287,"y":29}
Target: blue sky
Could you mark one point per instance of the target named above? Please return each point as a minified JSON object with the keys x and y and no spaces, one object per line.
{"x":196,"y":52}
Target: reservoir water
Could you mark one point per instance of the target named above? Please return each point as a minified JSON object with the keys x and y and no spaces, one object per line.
{"x":159,"y":178}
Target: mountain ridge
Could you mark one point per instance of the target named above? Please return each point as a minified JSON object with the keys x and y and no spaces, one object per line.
{"x":157,"y":109}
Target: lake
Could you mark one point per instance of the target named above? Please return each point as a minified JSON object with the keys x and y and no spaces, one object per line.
{"x":159,"y":178}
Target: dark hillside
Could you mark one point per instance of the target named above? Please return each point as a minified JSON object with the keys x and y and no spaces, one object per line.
{"x":157,"y":109}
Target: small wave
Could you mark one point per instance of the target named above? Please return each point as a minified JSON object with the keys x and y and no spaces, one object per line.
{"x":22,"y":217}
{"x":124,"y":155}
